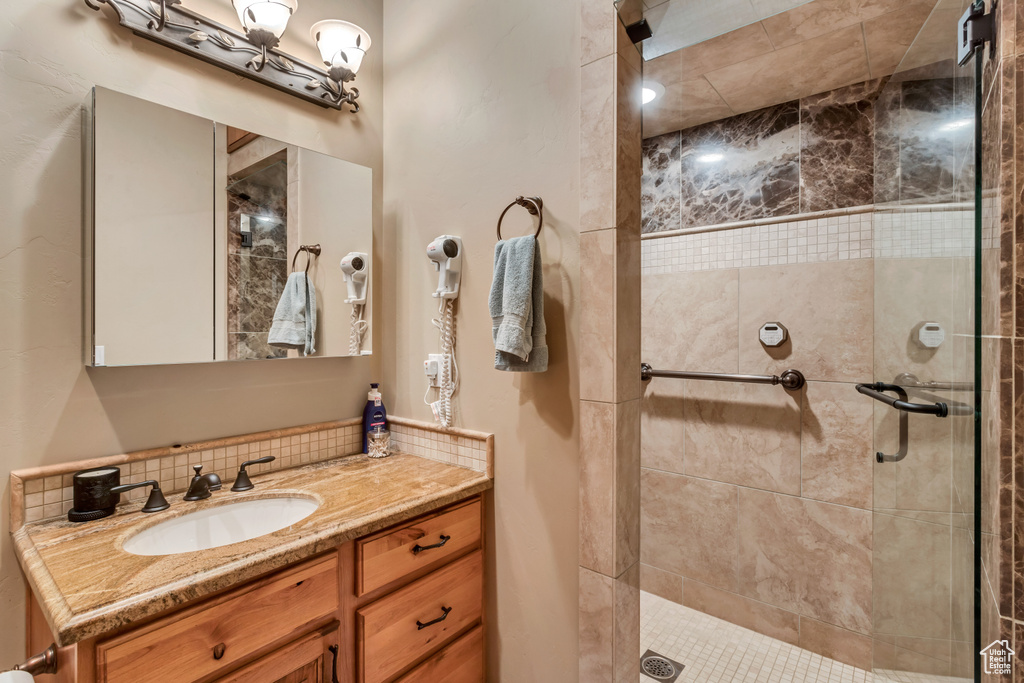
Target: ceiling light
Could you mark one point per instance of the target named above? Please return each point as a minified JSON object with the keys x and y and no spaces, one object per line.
{"x":652,"y":91}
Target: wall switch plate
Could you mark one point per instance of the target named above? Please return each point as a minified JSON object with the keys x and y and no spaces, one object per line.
{"x":99,"y":355}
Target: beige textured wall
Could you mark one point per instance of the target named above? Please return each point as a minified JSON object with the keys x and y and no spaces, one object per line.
{"x":53,"y":410}
{"x":489,"y":98}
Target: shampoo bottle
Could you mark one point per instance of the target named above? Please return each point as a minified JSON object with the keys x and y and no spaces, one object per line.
{"x":375,"y":414}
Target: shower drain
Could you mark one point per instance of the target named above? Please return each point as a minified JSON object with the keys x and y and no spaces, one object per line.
{"x":660,"y":668}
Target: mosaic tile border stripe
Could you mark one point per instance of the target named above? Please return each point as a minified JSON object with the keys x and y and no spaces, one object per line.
{"x":454,"y":446}
{"x":46,"y":492}
{"x":925,"y":231}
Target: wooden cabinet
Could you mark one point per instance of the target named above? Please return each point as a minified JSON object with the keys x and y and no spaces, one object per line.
{"x":310,"y":659}
{"x":193,"y":644}
{"x":395,"y":553}
{"x":398,"y":630}
{"x":460,"y":662}
{"x":401,"y":605}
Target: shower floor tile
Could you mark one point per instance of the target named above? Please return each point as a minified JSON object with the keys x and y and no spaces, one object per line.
{"x":715,"y":651}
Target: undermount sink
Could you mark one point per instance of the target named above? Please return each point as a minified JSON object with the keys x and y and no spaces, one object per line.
{"x":221,"y":525}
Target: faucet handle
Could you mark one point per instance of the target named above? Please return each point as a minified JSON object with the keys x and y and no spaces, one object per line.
{"x":156,"y":501}
{"x":198,"y":469}
{"x":242,"y":481}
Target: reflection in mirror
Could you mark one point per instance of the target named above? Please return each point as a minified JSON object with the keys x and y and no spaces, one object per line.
{"x":269,"y":186}
{"x":208,"y":242}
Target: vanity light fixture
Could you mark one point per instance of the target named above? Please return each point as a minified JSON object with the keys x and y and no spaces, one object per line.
{"x":252,"y":52}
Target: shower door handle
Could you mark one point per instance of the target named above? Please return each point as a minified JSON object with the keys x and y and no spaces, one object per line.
{"x":901,"y":404}
{"x":876,"y":390}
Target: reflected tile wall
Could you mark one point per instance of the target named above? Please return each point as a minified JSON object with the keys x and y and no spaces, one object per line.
{"x":256,"y":274}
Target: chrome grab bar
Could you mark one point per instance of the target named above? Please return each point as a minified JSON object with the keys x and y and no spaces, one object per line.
{"x":791,"y":380}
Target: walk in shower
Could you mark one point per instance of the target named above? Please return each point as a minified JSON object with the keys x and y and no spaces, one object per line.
{"x":818,"y":256}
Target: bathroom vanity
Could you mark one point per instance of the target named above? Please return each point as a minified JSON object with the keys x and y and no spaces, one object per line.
{"x":383,"y":582}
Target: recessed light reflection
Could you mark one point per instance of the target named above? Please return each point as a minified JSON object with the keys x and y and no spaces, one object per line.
{"x":710,"y":158}
{"x":652,"y":91}
{"x":958,"y":124}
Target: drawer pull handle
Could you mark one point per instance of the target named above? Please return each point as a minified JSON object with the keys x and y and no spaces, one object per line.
{"x":218,"y":650}
{"x":420,"y":625}
{"x":417,"y":549}
{"x":334,"y":668}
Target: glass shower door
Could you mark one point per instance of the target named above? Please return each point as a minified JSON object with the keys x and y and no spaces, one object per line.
{"x":927,"y":350}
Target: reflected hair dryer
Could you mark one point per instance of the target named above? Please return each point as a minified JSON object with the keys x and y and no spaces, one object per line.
{"x":355,"y":268}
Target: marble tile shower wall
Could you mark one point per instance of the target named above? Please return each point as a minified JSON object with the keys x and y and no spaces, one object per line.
{"x":802,"y":156}
{"x":817,"y":154}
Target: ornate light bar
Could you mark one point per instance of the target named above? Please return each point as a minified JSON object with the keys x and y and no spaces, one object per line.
{"x":253,"y":53}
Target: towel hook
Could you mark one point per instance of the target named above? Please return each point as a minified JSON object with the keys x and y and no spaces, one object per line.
{"x":535,"y":205}
{"x":311,"y":251}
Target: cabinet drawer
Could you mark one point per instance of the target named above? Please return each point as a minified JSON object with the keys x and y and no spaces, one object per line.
{"x":393,"y":633}
{"x":207,"y":638}
{"x":460,"y":662}
{"x":392,"y":554}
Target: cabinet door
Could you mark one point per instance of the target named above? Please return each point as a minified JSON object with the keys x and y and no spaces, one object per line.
{"x":310,"y":659}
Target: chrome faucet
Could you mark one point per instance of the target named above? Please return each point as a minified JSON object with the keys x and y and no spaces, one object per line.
{"x":202,"y":484}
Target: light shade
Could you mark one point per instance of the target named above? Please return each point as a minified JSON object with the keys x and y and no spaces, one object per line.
{"x":341,"y":44}
{"x":265,"y":15}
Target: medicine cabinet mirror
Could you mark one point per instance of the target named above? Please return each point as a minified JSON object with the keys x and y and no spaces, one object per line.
{"x":192,"y":228}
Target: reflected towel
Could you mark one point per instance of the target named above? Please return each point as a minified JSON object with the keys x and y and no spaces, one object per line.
{"x":295,"y":318}
{"x":517,"y":307}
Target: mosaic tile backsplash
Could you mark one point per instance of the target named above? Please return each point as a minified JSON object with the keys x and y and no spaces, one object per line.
{"x":47,"y":492}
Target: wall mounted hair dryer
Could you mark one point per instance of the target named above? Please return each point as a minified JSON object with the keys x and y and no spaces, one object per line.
{"x":446,"y":253}
{"x":355,"y":268}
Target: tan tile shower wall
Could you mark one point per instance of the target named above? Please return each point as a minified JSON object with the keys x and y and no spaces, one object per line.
{"x":756,"y":503}
{"x":46,"y":492}
{"x":609,"y":349}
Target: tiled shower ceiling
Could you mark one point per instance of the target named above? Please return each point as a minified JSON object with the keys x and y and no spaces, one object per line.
{"x":801,"y":51}
{"x":682,"y":23}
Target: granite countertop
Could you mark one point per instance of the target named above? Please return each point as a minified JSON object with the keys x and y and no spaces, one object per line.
{"x":87,"y":585}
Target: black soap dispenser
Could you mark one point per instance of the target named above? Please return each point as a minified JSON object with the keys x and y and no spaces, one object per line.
{"x":94,"y":498}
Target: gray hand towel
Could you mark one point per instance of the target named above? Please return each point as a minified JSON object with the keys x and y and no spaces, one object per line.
{"x":294,"y":323}
{"x":517,"y":307}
